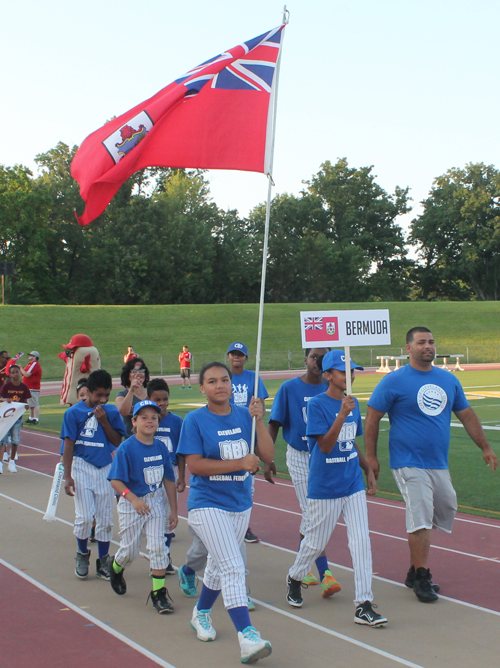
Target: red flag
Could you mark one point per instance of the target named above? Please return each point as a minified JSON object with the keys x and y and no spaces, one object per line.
{"x":321,"y":329}
{"x":217,"y":116}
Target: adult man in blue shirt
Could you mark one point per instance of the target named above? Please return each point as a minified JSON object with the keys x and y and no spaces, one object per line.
{"x":419,"y":400}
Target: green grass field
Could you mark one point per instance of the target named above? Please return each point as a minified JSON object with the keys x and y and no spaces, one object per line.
{"x":158,"y":332}
{"x":478,"y":488}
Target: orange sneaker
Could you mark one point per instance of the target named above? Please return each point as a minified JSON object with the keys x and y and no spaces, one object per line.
{"x":310,"y":579}
{"x":329,"y":585}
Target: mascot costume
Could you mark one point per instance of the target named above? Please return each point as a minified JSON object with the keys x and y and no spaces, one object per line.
{"x":81,"y":358}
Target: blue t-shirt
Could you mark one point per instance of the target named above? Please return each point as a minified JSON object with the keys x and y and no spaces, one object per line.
{"x":218,"y":437}
{"x":91,"y":443}
{"x":419,"y":404}
{"x":338,"y":473}
{"x":168,"y":432}
{"x":242,"y":385}
{"x":290,"y":410}
{"x":141,"y":467}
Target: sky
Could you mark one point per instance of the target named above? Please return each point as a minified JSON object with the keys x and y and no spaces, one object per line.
{"x":408,"y":86}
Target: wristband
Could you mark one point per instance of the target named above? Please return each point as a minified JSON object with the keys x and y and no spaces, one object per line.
{"x":124,"y":493}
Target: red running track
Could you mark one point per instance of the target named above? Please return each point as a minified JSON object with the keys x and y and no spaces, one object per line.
{"x":466,"y":563}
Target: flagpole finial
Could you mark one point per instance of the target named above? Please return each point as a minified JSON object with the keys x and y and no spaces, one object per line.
{"x":286,"y":15}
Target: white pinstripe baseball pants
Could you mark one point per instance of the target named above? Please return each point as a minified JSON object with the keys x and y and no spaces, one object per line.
{"x":297,"y":462}
{"x":131,"y":526}
{"x":94,"y":497}
{"x":323,"y":517}
{"x":222,"y":533}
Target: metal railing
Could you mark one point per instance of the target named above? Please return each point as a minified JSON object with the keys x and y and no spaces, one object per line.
{"x":274,"y":360}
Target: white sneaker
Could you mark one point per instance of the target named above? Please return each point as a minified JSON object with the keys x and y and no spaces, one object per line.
{"x":201,"y":622}
{"x":1,"y":467}
{"x":6,"y":457}
{"x":12,"y":466}
{"x":252,"y":646}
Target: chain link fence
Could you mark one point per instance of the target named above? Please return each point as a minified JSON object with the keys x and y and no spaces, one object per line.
{"x":276,"y":360}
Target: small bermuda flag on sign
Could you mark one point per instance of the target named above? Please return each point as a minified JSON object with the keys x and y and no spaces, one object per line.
{"x":321,"y":329}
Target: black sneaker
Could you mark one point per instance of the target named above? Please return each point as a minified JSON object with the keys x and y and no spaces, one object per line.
{"x":161,"y":601}
{"x":294,"y":594}
{"x":92,"y":538}
{"x":102,"y":568}
{"x":117,"y":580}
{"x":422,"y":586}
{"x":410,"y":579}
{"x":170,"y":570}
{"x":250,"y":537}
{"x":365,"y":614}
{"x":82,"y":565}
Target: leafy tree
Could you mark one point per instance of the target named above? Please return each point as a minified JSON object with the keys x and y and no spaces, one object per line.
{"x":25,"y":234}
{"x":458,"y":235}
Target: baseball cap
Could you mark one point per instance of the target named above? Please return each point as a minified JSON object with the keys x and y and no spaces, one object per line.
{"x":335,"y":359}
{"x":240,"y":347}
{"x":35,"y":353}
{"x":144,"y":404}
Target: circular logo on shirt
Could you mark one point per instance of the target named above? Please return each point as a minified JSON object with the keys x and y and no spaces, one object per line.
{"x":432,"y":399}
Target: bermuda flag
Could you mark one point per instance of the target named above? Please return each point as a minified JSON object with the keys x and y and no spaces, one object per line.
{"x":216,"y":116}
{"x":321,"y":329}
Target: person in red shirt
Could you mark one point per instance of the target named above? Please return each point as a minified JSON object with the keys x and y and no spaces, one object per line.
{"x":32,"y":375}
{"x":129,"y":355}
{"x":13,"y":390}
{"x":185,"y":358}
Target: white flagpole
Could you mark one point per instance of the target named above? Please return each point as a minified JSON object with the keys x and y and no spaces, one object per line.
{"x":269,"y":158}
{"x":347,"y":355}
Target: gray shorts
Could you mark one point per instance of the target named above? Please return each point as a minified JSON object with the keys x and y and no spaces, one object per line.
{"x":33,"y":402}
{"x":431,"y":501}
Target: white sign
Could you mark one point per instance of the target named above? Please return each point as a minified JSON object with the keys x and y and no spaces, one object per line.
{"x":321,"y":329}
{"x":9,"y":414}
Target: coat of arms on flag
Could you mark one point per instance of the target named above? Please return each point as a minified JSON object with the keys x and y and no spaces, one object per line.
{"x":320,"y":328}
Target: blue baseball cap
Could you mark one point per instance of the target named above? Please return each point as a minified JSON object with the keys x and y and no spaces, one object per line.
{"x":335,"y":359}
{"x":239,"y":347}
{"x":144,"y":404}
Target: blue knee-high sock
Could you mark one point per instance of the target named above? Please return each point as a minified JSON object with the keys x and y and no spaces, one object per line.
{"x":240,"y":618}
{"x":207,"y":598}
{"x":103,"y":548}
{"x":322,"y":566}
{"x":168,"y":539}
{"x":187,"y":570}
{"x":82,"y":545}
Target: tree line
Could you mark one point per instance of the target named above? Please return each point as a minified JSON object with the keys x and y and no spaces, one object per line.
{"x":162,"y":240}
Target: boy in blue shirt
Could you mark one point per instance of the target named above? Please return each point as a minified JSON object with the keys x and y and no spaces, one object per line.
{"x":243,"y":385}
{"x":91,"y":430}
{"x":140,"y":469}
{"x":169,"y":430}
{"x":336,"y":486}
{"x":290,"y":412}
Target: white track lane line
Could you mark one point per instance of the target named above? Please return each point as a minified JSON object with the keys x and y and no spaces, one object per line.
{"x":86,"y":615}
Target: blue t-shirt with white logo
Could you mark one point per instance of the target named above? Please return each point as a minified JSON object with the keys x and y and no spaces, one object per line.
{"x":141,"y":467}
{"x":242,"y":386}
{"x":168,"y":432}
{"x":419,"y":405}
{"x":218,"y":437}
{"x":338,"y":473}
{"x":290,"y":410}
{"x":91,"y":443}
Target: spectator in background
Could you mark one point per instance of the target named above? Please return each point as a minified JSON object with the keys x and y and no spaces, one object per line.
{"x":185,"y":358}
{"x":129,"y":355}
{"x":32,"y":374}
{"x":134,"y":377}
{"x":4,"y":358}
